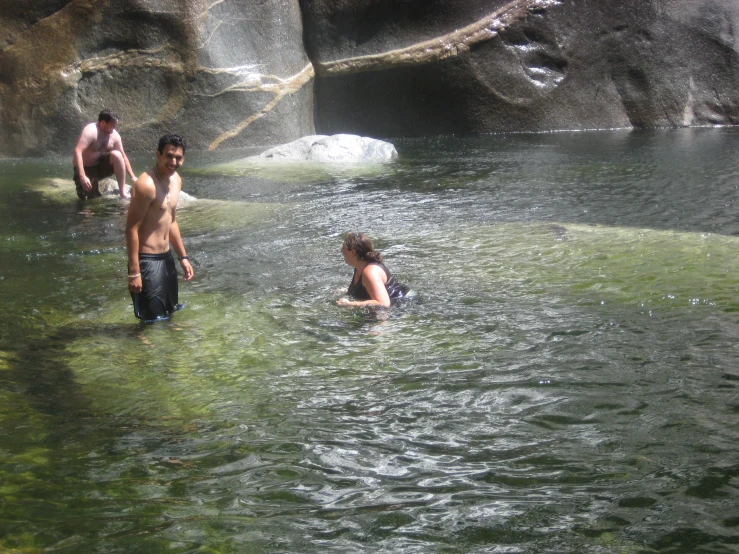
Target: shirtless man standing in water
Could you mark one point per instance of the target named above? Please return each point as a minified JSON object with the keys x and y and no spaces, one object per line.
{"x":99,"y":154}
{"x":151,"y":227}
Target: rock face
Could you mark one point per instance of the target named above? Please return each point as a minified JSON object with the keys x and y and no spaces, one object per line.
{"x":222,"y":73}
{"x":336,"y":148}
{"x":387,"y":68}
{"x":235,"y":73}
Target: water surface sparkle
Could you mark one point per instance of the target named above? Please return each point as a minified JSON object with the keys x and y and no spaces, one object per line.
{"x":566,"y":380}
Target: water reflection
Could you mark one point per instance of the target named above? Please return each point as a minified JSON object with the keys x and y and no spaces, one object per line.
{"x":567,"y":383}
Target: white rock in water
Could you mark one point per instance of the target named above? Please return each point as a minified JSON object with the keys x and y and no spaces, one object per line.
{"x":185,"y":199}
{"x":109,"y":187}
{"x":334,"y":148}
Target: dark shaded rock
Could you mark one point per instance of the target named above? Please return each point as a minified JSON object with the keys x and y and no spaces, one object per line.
{"x":16,"y":17}
{"x":387,"y":68}
{"x":224,"y":74}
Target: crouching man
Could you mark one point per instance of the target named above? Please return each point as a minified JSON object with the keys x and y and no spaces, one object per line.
{"x":99,"y":154}
{"x":151,"y":232}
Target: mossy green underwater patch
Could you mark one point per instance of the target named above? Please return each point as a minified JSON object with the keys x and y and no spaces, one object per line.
{"x":603,"y":263}
{"x":55,"y":189}
{"x":18,"y":243}
{"x":204,"y":216}
{"x":183,"y":368}
{"x":197,"y":216}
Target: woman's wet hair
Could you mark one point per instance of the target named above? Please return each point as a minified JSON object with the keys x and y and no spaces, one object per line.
{"x":362,"y":246}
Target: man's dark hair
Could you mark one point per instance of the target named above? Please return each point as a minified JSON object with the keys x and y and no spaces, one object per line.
{"x":172,"y":139}
{"x":107,"y":116}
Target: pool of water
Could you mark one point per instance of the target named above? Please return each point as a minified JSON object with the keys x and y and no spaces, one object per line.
{"x":565,"y":379}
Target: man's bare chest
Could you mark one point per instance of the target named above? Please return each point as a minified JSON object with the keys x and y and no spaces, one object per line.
{"x":103,"y":143}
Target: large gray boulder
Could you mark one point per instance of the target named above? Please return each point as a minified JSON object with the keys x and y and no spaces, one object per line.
{"x":388,"y":68}
{"x":231,"y":73}
{"x":332,"y":149}
{"x":224,"y":74}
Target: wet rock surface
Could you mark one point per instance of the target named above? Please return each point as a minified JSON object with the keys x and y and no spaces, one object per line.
{"x":336,"y":148}
{"x":223,"y":74}
{"x":231,"y":74}
{"x":486,"y":66}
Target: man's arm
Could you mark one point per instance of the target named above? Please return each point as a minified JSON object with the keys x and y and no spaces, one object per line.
{"x":86,"y":138}
{"x":119,"y":146}
{"x":142,"y":196}
{"x":175,"y":239}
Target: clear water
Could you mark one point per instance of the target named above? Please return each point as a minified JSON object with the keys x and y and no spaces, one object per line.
{"x":566,"y":380}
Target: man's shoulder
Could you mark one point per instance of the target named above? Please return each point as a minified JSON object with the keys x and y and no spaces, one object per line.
{"x":89,"y":132}
{"x":145,"y":184}
{"x":145,"y":178}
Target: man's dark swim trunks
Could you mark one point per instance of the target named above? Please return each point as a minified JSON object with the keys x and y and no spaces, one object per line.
{"x":101,"y":170}
{"x":395,"y":289}
{"x":159,"y":295}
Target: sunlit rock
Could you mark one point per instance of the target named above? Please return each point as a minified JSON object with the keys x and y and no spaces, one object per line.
{"x":312,"y":159}
{"x":222,"y":74}
{"x":334,"y":149}
{"x":109,"y":187}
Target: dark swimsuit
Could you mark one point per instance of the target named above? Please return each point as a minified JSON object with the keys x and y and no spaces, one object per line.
{"x":395,"y":290}
{"x":95,"y":173}
{"x":158,"y":297}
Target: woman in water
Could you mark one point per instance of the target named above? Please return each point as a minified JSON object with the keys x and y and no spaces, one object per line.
{"x":372,"y":283}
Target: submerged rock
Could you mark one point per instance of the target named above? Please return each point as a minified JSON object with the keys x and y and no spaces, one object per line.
{"x":335,"y":148}
{"x":109,"y":187}
{"x":63,"y":190}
